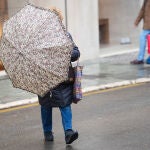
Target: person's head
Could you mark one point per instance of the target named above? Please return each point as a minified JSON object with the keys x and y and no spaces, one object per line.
{"x":58,"y":12}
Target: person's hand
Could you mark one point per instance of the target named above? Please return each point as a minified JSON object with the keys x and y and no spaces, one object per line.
{"x":135,"y":24}
{"x":58,"y":11}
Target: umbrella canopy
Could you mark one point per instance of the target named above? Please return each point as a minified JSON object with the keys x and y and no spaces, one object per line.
{"x":35,"y":49}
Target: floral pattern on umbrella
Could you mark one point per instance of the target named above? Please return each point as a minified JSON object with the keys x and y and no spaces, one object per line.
{"x":35,"y":50}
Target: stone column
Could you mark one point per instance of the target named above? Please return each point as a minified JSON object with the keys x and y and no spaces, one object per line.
{"x":141,"y":2}
{"x":83,"y":25}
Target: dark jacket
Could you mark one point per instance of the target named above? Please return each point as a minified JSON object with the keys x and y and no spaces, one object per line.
{"x":62,"y":95}
{"x":145,"y":15}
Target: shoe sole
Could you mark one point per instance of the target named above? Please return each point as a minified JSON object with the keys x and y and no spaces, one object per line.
{"x":48,"y":140}
{"x":138,"y":64}
{"x":73,"y":138}
{"x":133,"y":63}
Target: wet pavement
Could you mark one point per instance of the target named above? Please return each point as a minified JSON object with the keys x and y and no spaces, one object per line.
{"x":111,"y":120}
{"x":96,"y":72}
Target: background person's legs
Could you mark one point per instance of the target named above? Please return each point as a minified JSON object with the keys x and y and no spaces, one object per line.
{"x":143,"y":41}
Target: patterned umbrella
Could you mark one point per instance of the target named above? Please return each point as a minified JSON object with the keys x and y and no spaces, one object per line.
{"x":35,"y":49}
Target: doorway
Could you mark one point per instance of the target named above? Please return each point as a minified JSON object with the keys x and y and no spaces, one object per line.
{"x":116,"y":29}
{"x":3,"y":17}
{"x":3,"y":13}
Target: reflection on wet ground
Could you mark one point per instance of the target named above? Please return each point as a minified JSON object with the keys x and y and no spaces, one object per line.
{"x":96,"y":72}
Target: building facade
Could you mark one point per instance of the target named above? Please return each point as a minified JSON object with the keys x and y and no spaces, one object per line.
{"x":94,"y":24}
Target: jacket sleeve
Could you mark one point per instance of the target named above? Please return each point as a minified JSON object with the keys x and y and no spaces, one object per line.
{"x":141,"y":14}
{"x":75,"y":54}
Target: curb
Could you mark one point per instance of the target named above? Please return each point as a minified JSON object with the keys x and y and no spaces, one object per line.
{"x":85,"y":90}
{"x":118,"y":53}
{"x":116,"y":84}
{"x":3,"y":74}
{"x":18,"y":103}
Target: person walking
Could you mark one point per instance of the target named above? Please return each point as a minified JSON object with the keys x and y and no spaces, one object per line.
{"x":63,"y":95}
{"x":145,"y":15}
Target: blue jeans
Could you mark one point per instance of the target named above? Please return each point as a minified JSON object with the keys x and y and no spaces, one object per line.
{"x":143,"y":42}
{"x":46,"y":116}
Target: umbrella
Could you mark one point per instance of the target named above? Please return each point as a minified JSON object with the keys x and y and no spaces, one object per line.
{"x":35,"y":49}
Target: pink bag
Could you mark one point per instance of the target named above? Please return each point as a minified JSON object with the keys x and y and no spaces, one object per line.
{"x":77,"y":83}
{"x":148,"y":43}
